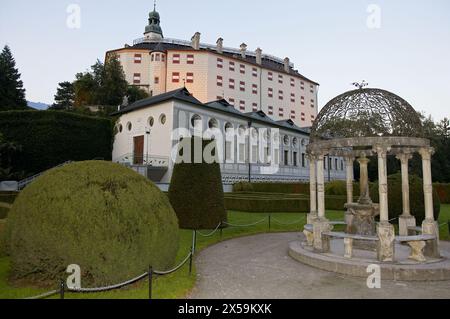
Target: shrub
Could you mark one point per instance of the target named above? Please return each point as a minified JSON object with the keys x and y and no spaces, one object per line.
{"x":49,"y":138}
{"x":7,"y":198}
{"x":339,"y":187}
{"x":416,"y":197}
{"x":443,"y":191}
{"x":249,"y":204}
{"x":3,"y":242}
{"x":104,"y":217}
{"x":196,"y":190}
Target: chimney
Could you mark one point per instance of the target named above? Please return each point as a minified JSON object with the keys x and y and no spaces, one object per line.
{"x":258,"y":56}
{"x":219,"y":45}
{"x":243,"y":50}
{"x":195,"y":41}
{"x":286,"y":65}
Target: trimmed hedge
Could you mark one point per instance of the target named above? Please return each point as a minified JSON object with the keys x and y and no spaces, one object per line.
{"x":6,"y":197}
{"x":102,"y":216}
{"x":443,"y":191}
{"x":416,"y":197}
{"x":196,"y":190}
{"x":49,"y":138}
{"x":3,"y":241}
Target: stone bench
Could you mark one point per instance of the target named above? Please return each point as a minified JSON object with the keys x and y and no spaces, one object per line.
{"x":417,"y":243}
{"x":348,"y":240}
{"x":414,"y":230}
{"x":309,"y":232}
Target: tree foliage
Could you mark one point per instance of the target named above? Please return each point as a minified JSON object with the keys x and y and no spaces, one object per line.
{"x":65,"y":96}
{"x":8,"y":150}
{"x":12,"y":93}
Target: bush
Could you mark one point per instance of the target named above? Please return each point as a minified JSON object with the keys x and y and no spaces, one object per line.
{"x":8,"y":198}
{"x":104,"y":217}
{"x":416,"y":197}
{"x":3,"y":242}
{"x":196,"y":190}
{"x":262,"y":205}
{"x":49,"y":138}
{"x":339,"y":187}
{"x":443,"y":191}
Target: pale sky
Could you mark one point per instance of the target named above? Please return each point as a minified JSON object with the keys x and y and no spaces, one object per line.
{"x":328,"y":41}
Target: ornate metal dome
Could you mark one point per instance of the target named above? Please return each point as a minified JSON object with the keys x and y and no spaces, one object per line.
{"x":367,"y":112}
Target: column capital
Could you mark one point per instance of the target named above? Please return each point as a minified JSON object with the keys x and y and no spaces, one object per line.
{"x":426,"y":152}
{"x":404,"y":157}
{"x":381,"y":149}
{"x":363,"y":160}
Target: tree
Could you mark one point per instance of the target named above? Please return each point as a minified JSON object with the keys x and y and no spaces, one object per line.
{"x":85,"y":88}
{"x":7,"y":152}
{"x":113,"y":85}
{"x":12,"y":93}
{"x":65,"y":96}
{"x":135,"y":93}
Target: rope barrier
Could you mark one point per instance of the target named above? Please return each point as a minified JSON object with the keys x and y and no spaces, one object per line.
{"x":392,"y":219}
{"x":44,"y":295}
{"x":107,"y":288}
{"x":443,"y":224}
{"x":174,"y":269}
{"x":288,"y":224}
{"x":211,"y":233}
{"x":247,"y":225}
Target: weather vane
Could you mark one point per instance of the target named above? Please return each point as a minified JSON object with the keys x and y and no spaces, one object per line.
{"x":361,"y":85}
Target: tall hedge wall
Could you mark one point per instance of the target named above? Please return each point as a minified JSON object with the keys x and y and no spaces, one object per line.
{"x":443,"y":191}
{"x":49,"y":138}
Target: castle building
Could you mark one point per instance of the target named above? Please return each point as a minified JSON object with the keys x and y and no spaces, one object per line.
{"x":249,"y":80}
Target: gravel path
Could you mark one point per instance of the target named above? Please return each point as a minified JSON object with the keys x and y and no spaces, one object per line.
{"x":259,"y":267}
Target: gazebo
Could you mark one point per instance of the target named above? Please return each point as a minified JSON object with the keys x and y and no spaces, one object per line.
{"x":356,"y":125}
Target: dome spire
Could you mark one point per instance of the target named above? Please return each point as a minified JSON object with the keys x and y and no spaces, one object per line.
{"x":153,"y":30}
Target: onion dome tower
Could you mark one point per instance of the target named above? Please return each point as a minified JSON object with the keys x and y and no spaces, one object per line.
{"x":153,"y":30}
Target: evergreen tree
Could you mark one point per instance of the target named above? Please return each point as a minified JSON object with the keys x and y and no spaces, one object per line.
{"x":113,"y":85}
{"x":65,"y":97}
{"x":12,"y":93}
{"x":85,"y":88}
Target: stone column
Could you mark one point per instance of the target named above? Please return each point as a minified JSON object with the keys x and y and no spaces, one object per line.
{"x":321,"y":224}
{"x":364,"y":197}
{"x":385,"y":231}
{"x":349,"y":167}
{"x":429,"y":226}
{"x":405,"y":220}
{"x":312,"y":189}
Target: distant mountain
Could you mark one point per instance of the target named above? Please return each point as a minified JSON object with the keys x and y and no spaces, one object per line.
{"x":37,"y":105}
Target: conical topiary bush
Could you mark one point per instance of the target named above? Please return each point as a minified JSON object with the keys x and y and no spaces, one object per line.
{"x":196,"y":191}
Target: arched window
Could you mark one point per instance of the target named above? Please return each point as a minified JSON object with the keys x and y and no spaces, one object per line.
{"x":129,"y":126}
{"x":213,"y":123}
{"x":286,"y":140}
{"x":294,"y":142}
{"x":151,"y":121}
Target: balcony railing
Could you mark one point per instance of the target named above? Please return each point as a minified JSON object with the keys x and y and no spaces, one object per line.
{"x":145,"y":160}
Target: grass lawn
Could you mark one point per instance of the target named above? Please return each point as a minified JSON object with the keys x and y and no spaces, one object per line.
{"x":178,"y":285}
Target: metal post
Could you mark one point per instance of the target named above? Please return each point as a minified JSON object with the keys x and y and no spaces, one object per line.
{"x":150,"y":282}
{"x":270,"y":221}
{"x":190,"y":262}
{"x":221,"y":230}
{"x":194,"y":240}
{"x":448,"y":224}
{"x":61,"y":289}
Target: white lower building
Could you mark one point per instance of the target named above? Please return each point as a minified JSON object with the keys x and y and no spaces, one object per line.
{"x":251,"y":146}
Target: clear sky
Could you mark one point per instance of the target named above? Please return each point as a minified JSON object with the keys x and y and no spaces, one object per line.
{"x":406,"y":51}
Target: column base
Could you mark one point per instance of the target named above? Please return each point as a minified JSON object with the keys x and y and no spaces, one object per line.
{"x":348,"y":218}
{"x":430,"y":227}
{"x":386,"y":242}
{"x":321,"y":243}
{"x":405,"y":221}
{"x":311,"y":217}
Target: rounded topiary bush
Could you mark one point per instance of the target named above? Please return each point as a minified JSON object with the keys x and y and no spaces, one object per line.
{"x":416,"y":197}
{"x":196,"y":190}
{"x":104,"y":217}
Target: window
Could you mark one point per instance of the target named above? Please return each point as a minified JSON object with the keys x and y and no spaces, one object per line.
{"x":196,"y":122}
{"x":232,"y":66}
{"x":242,"y":86}
{"x":231,"y":101}
{"x":255,"y":107}
{"x":190,"y":59}
{"x":303,"y":100}
{"x":219,"y":80}
{"x":151,"y":121}
{"x":303,"y":160}
{"x":189,"y":77}
{"x":213,"y":123}
{"x":129,"y":126}
{"x":270,"y":110}
{"x":280,"y":94}
{"x":231,"y":84}
{"x":157,"y":57}
{"x":162,"y":119}
{"x":270,"y":76}
{"x":292,"y":82}
{"x":137,"y":58}
{"x":137,"y":78}
{"x":293,"y":97}
{"x":280,"y":79}
{"x":242,"y":105}
{"x":302,"y":85}
{"x":312,"y":88}
{"x":176,"y":59}
{"x":220,"y":63}
{"x":255,"y":72}
{"x":175,"y":77}
{"x":294,"y":157}
{"x":120,"y":128}
{"x":270,"y":92}
{"x":255,"y":89}
{"x":342,"y":165}
{"x":163,"y":58}
{"x":242,"y":69}
{"x":293,"y":114}
{"x":281,"y":112}
{"x":303,"y":116}
{"x":286,"y":158}
{"x":218,"y":97}
{"x":335,"y":163}
{"x":156,"y":80}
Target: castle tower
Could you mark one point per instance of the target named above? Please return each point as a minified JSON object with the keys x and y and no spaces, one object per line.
{"x":153,"y":30}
